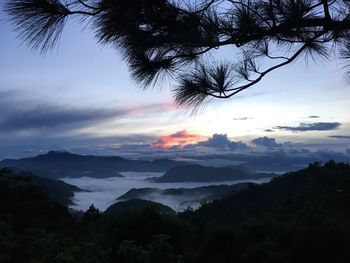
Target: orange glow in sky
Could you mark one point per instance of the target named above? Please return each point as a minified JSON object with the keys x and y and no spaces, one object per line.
{"x":180,"y":138}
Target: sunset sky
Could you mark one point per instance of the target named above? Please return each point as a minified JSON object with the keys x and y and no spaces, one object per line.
{"x":80,"y":97}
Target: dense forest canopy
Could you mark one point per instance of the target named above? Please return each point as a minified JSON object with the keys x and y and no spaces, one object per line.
{"x":301,"y":216}
{"x":173,"y":38}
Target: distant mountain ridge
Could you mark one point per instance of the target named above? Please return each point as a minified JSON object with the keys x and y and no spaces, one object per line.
{"x":197,"y":173}
{"x":65,"y":164}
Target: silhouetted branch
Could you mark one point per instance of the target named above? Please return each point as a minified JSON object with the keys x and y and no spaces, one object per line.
{"x":205,"y":7}
{"x":39,"y":22}
{"x":219,"y":82}
{"x":247,"y":6}
{"x":88,"y":6}
{"x":159,"y":37}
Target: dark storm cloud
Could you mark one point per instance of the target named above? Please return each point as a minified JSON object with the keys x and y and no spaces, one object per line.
{"x":339,"y":136}
{"x":266,"y":142}
{"x":269,"y":130}
{"x":304,"y":127}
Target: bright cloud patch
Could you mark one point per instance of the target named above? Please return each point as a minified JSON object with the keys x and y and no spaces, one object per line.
{"x":179,"y":138}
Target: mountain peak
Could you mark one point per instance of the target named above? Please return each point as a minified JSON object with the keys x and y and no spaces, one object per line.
{"x":65,"y":152}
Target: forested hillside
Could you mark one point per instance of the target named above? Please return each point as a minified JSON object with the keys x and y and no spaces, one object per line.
{"x":56,"y":189}
{"x":302,"y":216}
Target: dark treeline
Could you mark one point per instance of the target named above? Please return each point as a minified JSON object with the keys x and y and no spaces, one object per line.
{"x":302,"y":216}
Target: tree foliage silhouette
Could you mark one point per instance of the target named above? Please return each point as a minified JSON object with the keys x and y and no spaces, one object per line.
{"x":164,"y":37}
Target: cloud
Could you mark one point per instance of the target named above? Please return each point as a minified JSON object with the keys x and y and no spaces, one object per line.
{"x":313,"y":117}
{"x":29,"y":126}
{"x":243,"y":119}
{"x":317,"y":126}
{"x":340,"y":136}
{"x":195,"y":142}
{"x":23,"y":116}
{"x":266,"y":142}
{"x":218,"y":150}
{"x":269,"y":130}
{"x":326,"y":154}
{"x":222,"y":142}
{"x":49,"y":117}
{"x":179,"y":138}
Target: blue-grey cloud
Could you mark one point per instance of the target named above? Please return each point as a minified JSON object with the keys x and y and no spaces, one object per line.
{"x":30,"y":127}
{"x":340,"y":136}
{"x":266,"y":142}
{"x":304,"y":127}
{"x":217,"y":150}
{"x":17,"y":146}
{"x":221,"y":141}
{"x":269,"y":130}
{"x":47,"y":117}
{"x":33,"y":126}
{"x":313,"y":117}
{"x":18,"y":116}
{"x":326,"y":154}
{"x":243,"y":119}
{"x":274,"y":159}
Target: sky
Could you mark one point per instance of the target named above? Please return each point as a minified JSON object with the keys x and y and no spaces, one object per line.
{"x":80,"y":97}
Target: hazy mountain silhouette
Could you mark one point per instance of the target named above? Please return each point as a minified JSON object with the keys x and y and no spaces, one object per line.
{"x":197,"y":173}
{"x":64,"y":164}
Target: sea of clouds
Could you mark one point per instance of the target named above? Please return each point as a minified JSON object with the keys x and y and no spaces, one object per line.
{"x":104,"y":192}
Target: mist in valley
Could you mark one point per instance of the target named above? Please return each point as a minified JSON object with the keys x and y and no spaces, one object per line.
{"x":104,"y":192}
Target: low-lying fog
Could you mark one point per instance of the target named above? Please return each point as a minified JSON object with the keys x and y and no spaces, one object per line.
{"x":104,"y":192}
